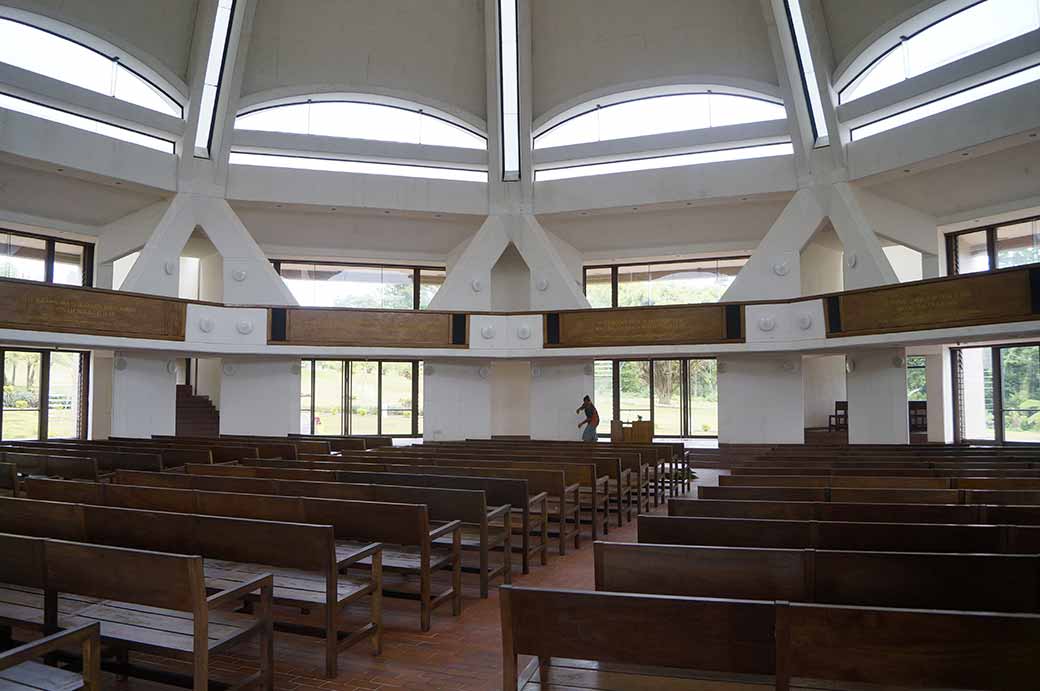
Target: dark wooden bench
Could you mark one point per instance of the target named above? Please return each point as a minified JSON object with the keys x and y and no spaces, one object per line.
{"x":264,"y":448}
{"x":872,"y":496}
{"x":220,"y":451}
{"x":866,"y":481}
{"x":831,"y":511}
{"x":981,"y":582}
{"x":107,"y":461}
{"x":688,"y":644}
{"x":41,"y":463}
{"x":302,"y":444}
{"x":303,"y":558}
{"x":406,"y":529}
{"x":903,"y":537}
{"x":146,"y":601}
{"x":19,"y":670}
{"x":171,"y":457}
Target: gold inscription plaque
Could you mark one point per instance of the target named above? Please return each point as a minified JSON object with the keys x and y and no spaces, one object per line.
{"x":374,"y":328}
{"x":688,"y":324}
{"x":44,"y":307}
{"x":963,"y":301}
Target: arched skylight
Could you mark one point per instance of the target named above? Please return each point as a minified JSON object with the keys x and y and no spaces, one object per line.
{"x":969,"y":31}
{"x":360,"y":120}
{"x":658,"y":114}
{"x":60,"y":58}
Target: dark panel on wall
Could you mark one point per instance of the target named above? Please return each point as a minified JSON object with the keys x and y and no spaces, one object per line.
{"x":277,"y":324}
{"x":734,"y":322}
{"x":552,"y":328}
{"x":635,"y":326}
{"x":459,"y":329}
{"x":36,"y":306}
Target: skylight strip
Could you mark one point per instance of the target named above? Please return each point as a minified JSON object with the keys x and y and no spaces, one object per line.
{"x":364,"y":167}
{"x":1011,"y":81}
{"x":672,"y":161}
{"x":509,"y":81}
{"x":211,"y":83}
{"x":808,"y":73}
{"x":86,"y":124}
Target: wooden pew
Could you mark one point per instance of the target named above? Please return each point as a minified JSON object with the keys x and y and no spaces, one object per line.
{"x":357,"y":523}
{"x":831,"y":511}
{"x":107,"y":461}
{"x":872,"y":496}
{"x":632,"y":637}
{"x":220,"y":451}
{"x":264,"y":448}
{"x":838,"y":535}
{"x":530,"y":512}
{"x":141,"y":600}
{"x":171,"y":457}
{"x":303,"y":558}
{"x":9,"y":478}
{"x":337,"y":443}
{"x":982,"y":582}
{"x":32,"y":462}
{"x":20,"y":672}
{"x":483,"y":529}
{"x":302,"y":444}
{"x":874,"y":470}
{"x":1016,"y":483}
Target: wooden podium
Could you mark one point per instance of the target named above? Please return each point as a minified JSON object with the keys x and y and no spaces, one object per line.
{"x":640,"y":431}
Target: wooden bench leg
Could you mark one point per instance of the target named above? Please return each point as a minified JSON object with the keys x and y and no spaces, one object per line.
{"x":525,"y":542}
{"x":425,"y":604}
{"x":507,"y":554}
{"x":267,"y":639}
{"x":485,"y":562}
{"x":456,"y":576}
{"x":545,"y":531}
{"x":331,"y":629}
{"x":377,"y":602}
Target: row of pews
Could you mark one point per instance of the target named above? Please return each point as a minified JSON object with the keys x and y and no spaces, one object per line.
{"x":903,"y":567}
{"x":299,"y":535}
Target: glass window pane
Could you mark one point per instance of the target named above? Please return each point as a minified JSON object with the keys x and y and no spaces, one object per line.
{"x":430,"y":281}
{"x":977,"y":393}
{"x":330,"y":285}
{"x":1018,"y":244}
{"x":702,"y":389}
{"x":603,"y":393}
{"x":683,"y":283}
{"x":364,"y":398}
{"x":667,"y":397}
{"x":306,"y":393}
{"x":598,"y":289}
{"x":419,"y":403}
{"x":972,"y":255}
{"x":328,"y":397}
{"x":1020,"y":382}
{"x":916,"y":384}
{"x":889,"y":70}
{"x":63,"y":397}
{"x":635,"y":390}
{"x":68,"y":264}
{"x":397,"y":289}
{"x":634,"y":286}
{"x":22,"y":257}
{"x":21,"y":395}
{"x":396,"y":408}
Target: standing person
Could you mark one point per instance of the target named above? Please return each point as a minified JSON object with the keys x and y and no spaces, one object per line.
{"x":591,"y":421}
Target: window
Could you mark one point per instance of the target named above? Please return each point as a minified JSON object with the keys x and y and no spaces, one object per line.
{"x":44,"y":394}
{"x":361,"y":285}
{"x":975,"y":399}
{"x":964,"y":33}
{"x":1020,"y":392}
{"x":639,"y":117}
{"x":808,"y":72}
{"x":661,"y":283}
{"x":39,"y":258}
{"x":361,"y":397}
{"x":57,"y":57}
{"x":214,"y":73}
{"x":679,"y":396}
{"x":995,"y":247}
{"x":334,"y":165}
{"x":997,"y":393}
{"x":916,"y":381}
{"x":509,"y":85}
{"x":361,"y":120}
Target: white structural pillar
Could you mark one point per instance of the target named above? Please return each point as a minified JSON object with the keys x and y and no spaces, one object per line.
{"x":260,"y":396}
{"x":144,"y":395}
{"x":456,"y":399}
{"x":556,"y":391}
{"x":938,"y":380}
{"x":876,"y":388}
{"x":761,"y":399}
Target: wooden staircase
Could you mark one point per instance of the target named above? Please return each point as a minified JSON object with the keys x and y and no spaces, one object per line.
{"x":196,"y":415}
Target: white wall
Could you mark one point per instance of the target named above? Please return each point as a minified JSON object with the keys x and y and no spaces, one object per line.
{"x":456,"y":400}
{"x":905,"y":262}
{"x":100,"y":395}
{"x":556,"y":390}
{"x":207,"y":379}
{"x":760,"y":399}
{"x":939,"y":383}
{"x":260,"y":397}
{"x":510,"y":283}
{"x":821,"y":269}
{"x":824,"y":377}
{"x":877,"y":397}
{"x":144,"y":393}
{"x":511,"y":397}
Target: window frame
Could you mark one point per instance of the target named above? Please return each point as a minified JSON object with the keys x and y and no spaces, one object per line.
{"x":416,"y":270}
{"x":996,"y":367}
{"x":615,"y":266}
{"x":87,"y":265}
{"x":43,"y":412}
{"x":991,"y":245}
{"x":347,"y":384}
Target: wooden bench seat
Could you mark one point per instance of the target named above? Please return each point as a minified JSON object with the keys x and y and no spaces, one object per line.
{"x":20,"y":672}
{"x":145,"y":601}
{"x":40,"y":463}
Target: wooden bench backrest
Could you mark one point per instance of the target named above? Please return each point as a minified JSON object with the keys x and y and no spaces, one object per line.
{"x":73,"y":467}
{"x":263,"y":472}
{"x":498,"y":491}
{"x":609,"y":466}
{"x":110,"y":494}
{"x":984,"y":582}
{"x":107,"y":460}
{"x":9,"y":476}
{"x":172,"y":456}
{"x":264,"y":448}
{"x":552,"y":482}
{"x":834,"y":481}
{"x":829,"y":511}
{"x":338,"y":443}
{"x":631,"y":459}
{"x":574,"y":473}
{"x":220,"y":451}
{"x":23,"y":560}
{"x":302,"y":444}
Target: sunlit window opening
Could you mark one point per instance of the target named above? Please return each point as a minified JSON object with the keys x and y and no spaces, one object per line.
{"x":673,"y":161}
{"x":361,"y":286}
{"x":682,"y":282}
{"x":360,"y":120}
{"x":659,"y":114}
{"x":806,"y":64}
{"x":358,"y":397}
{"x":59,"y":58}
{"x":214,"y":71}
{"x":366,"y":167}
{"x":942,"y":105}
{"x":970,"y":31}
{"x":509,"y":56}
{"x":87,"y":124}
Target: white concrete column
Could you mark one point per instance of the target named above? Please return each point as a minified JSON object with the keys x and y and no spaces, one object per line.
{"x":939,"y":382}
{"x":824,"y":377}
{"x":260,"y":396}
{"x":456,"y":399}
{"x":144,"y":395}
{"x":761,"y":399}
{"x":877,"y":397}
{"x":100,"y":418}
{"x":511,"y":397}
{"x":556,"y":390}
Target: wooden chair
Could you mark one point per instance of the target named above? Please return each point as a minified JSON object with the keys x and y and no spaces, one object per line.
{"x":839,"y":421}
{"x":20,"y":672}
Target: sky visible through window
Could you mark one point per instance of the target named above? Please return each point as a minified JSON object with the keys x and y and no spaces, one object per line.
{"x":214,"y":69}
{"x":370,"y":168}
{"x":359,"y":120}
{"x":975,"y":29}
{"x":657,"y":115}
